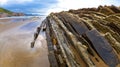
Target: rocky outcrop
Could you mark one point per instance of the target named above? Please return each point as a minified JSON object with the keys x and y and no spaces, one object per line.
{"x":17,"y":14}
{"x":4,"y":15}
{"x":9,"y":15}
{"x":88,"y":37}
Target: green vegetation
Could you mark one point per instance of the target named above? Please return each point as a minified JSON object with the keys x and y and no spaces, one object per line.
{"x":2,"y":10}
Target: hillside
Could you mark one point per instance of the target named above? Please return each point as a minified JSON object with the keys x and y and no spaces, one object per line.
{"x":8,"y":13}
{"x":2,"y":10}
{"x":88,"y":37}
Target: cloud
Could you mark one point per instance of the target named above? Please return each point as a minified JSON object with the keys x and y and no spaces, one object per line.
{"x":47,"y":6}
{"x":76,"y":4}
{"x":22,"y":1}
{"x":8,"y":2}
{"x":3,"y":2}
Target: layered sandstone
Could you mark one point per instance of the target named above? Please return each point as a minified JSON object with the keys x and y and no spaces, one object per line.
{"x":88,"y":37}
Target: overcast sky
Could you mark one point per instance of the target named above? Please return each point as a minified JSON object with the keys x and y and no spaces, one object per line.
{"x":47,"y":6}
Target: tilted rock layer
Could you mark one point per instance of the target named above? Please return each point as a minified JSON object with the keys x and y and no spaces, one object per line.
{"x":88,"y":37}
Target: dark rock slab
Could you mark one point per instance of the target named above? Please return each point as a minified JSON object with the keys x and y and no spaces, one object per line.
{"x":103,"y":48}
{"x":51,"y":55}
{"x":49,"y":41}
{"x":76,"y":23}
{"x":53,"y":61}
{"x":79,"y":27}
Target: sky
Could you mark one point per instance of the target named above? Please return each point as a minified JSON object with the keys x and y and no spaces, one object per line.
{"x":44,"y":7}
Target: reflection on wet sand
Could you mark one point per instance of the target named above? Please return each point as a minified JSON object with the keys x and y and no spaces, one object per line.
{"x":15,"y":50}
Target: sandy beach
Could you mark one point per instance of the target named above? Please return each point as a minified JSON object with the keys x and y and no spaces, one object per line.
{"x":15,"y":40}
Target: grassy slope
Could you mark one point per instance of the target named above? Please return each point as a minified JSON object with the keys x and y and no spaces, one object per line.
{"x":2,"y":10}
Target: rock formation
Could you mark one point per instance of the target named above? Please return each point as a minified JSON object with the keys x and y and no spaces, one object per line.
{"x":88,"y":37}
{"x":17,"y":14}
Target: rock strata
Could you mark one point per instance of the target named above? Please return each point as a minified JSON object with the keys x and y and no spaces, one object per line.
{"x":88,"y":37}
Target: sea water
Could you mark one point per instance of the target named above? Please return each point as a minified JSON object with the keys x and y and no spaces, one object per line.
{"x":15,"y":50}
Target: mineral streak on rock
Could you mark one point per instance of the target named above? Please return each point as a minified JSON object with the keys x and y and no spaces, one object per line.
{"x":88,"y":37}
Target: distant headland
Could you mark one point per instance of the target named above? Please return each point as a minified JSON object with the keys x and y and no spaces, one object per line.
{"x":7,"y":13}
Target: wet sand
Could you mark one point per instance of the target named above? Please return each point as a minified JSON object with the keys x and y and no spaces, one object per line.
{"x":15,"y":50}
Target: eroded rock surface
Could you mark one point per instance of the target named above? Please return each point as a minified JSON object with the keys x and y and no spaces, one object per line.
{"x":88,"y":37}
